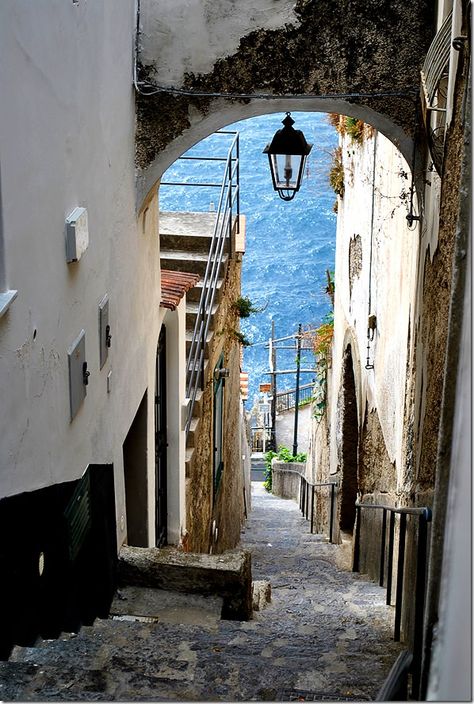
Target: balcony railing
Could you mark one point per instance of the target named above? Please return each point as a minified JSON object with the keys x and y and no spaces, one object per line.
{"x":285,"y":400}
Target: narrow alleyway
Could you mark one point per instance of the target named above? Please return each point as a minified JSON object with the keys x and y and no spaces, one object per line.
{"x":326,"y":635}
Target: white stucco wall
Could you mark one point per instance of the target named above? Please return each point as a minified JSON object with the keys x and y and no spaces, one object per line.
{"x":175,"y":322}
{"x":383,"y":287}
{"x":207,"y":31}
{"x":67,"y":139}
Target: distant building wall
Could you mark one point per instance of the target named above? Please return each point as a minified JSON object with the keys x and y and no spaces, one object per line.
{"x":214,"y":518}
{"x":375,"y":275}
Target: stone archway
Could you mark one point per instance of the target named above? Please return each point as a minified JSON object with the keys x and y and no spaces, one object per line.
{"x":366,"y":55}
{"x":349,"y":444}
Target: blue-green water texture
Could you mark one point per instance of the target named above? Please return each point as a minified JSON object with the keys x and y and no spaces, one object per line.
{"x":289,"y":245}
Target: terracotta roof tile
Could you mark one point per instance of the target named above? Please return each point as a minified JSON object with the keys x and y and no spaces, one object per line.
{"x":174,"y":285}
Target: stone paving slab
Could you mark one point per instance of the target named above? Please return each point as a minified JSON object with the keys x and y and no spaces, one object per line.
{"x":325,"y":636}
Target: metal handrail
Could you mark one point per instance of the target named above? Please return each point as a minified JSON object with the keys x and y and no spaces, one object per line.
{"x":395,"y":687}
{"x":227,"y":218}
{"x":305,"y":485}
{"x":424,"y":516}
{"x":436,"y":61}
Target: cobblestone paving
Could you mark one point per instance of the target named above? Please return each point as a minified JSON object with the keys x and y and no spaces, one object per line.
{"x":326,"y":636}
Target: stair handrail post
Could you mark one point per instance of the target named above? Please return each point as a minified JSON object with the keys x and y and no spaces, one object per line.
{"x":400,"y":575}
{"x":382,"y":547}
{"x":391,"y":542}
{"x":331,"y":519}
{"x":356,"y":556}
{"x":420,"y":596}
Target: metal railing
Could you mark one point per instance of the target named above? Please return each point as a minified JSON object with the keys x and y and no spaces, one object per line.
{"x":262,"y":439}
{"x":436,"y":62}
{"x":285,"y":400}
{"x":226,"y":226}
{"x":307,"y":507}
{"x":424,"y":517}
{"x":434,"y":76}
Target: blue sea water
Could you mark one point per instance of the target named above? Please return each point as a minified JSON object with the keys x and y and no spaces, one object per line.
{"x":289,"y":245}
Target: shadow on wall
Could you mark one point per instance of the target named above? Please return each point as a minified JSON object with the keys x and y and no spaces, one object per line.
{"x":349,"y":448}
{"x":58,"y":551}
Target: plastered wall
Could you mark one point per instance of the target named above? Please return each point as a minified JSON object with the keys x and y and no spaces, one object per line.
{"x":67,"y":119}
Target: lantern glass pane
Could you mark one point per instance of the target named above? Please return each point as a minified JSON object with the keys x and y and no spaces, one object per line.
{"x":286,"y":168}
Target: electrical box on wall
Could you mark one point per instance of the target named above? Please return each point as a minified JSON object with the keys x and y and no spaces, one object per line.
{"x":77,"y":234}
{"x":78,"y":374}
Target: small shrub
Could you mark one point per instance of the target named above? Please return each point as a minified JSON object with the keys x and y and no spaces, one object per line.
{"x":355,"y":129}
{"x":323,"y":337}
{"x":241,"y":338}
{"x":244,"y":307}
{"x":284,"y":455}
{"x":369,"y":131}
{"x":336,"y":174}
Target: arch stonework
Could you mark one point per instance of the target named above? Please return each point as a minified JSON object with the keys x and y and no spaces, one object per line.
{"x":329,"y":47}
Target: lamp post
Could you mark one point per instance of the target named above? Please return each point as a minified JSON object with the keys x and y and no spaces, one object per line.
{"x":287,"y":154}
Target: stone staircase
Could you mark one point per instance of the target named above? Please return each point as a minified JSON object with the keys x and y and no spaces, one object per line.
{"x":185,"y":240}
{"x":257,"y":467}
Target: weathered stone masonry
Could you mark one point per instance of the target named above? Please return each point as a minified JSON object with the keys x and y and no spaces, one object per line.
{"x":331,"y":47}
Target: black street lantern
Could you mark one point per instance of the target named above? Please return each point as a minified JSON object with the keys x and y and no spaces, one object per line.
{"x":287,"y":154}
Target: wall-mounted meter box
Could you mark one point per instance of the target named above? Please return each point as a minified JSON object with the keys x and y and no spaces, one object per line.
{"x":77,"y":234}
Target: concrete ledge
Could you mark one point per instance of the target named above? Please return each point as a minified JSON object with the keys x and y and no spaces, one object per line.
{"x":286,"y":479}
{"x":228,"y":575}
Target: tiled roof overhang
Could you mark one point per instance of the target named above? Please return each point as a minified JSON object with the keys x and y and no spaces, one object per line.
{"x":174,"y":285}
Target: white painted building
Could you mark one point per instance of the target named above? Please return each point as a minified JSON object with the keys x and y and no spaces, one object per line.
{"x":67,"y":124}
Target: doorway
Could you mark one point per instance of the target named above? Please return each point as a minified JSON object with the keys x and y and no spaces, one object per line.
{"x":161,"y":443}
{"x":135,"y":473}
{"x":350,"y":435}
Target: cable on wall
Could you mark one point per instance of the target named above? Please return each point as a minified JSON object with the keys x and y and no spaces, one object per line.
{"x":147,"y":89}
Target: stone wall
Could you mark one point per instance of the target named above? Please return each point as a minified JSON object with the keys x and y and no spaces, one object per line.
{"x":286,"y":479}
{"x":298,"y":48}
{"x":214,"y":523}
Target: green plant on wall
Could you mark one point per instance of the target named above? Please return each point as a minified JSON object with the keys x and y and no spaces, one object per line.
{"x":322,"y":344}
{"x":283,"y":455}
{"x":336,"y":173}
{"x":240,"y":337}
{"x":355,"y":129}
{"x":244,"y":307}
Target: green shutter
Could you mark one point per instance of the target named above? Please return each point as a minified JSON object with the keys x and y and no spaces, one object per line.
{"x":78,"y":516}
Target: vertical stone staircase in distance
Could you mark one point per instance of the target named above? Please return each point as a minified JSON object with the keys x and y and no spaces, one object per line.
{"x":185,"y":239}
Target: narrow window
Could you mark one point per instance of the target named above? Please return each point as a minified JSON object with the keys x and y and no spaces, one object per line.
{"x":218,"y":412}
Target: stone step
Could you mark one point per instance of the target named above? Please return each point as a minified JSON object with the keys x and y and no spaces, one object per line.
{"x":192,"y":262}
{"x":190,"y":242}
{"x":197,"y":409}
{"x":194,"y":294}
{"x":227,"y":575}
{"x":189,"y":337}
{"x":192,"y":310}
{"x":187,"y":224}
{"x":188,"y":462}
{"x":164,"y":606}
{"x":193,"y":429}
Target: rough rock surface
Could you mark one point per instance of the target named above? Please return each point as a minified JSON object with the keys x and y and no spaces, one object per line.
{"x":326,"y":635}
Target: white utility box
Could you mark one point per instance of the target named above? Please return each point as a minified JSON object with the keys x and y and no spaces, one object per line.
{"x":77,"y":234}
